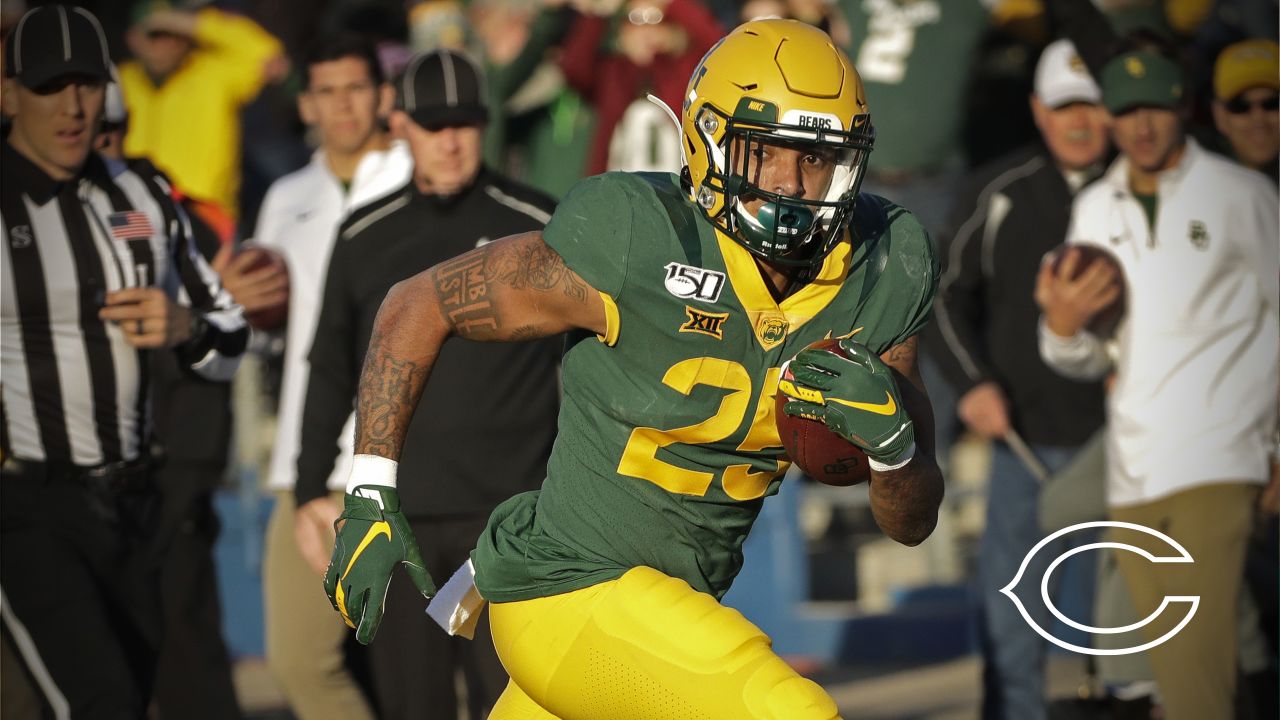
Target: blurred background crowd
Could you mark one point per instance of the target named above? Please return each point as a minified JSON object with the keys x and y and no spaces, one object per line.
{"x":964,"y":97}
{"x":568,"y":79}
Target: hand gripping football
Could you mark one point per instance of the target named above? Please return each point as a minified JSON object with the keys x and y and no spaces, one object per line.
{"x":821,"y":454}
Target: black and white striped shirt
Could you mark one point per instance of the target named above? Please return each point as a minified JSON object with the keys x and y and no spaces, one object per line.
{"x":74,"y":391}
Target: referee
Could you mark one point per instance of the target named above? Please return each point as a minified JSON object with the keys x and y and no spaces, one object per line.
{"x":97,"y":271}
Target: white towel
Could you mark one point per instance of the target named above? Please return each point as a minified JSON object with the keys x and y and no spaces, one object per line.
{"x":456,"y":606}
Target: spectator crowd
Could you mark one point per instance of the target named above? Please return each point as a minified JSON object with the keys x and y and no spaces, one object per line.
{"x":1099,"y":177}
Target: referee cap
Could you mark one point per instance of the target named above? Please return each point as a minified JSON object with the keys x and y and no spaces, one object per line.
{"x":52,"y":41}
{"x":443,"y":88}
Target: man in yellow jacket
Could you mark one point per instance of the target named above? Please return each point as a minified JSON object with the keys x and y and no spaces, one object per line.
{"x":192,"y":74}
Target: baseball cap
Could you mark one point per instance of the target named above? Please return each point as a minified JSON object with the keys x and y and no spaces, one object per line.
{"x":1141,"y":78}
{"x":1062,"y":78}
{"x":443,"y":87}
{"x":1244,"y":65}
{"x":51,"y":41}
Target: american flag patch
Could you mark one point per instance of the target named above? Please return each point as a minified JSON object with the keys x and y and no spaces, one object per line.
{"x":129,"y":225}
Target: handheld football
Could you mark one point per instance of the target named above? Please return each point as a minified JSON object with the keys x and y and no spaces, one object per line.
{"x":1104,"y":323}
{"x":274,"y":317}
{"x":820,"y":453}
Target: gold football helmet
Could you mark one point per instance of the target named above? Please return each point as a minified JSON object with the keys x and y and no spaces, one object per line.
{"x":776,"y":83}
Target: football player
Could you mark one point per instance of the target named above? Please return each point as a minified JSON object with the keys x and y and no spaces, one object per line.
{"x":683,"y":296}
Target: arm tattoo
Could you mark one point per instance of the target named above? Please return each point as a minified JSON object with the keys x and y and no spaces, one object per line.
{"x":389,"y":391}
{"x":534,"y":266}
{"x":526,"y":332}
{"x":463,"y":291}
{"x":902,"y":356}
{"x":905,"y":502}
{"x":463,"y":284}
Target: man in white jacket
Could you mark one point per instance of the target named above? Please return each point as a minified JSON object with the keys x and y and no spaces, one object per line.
{"x":1192,"y":414}
{"x":356,"y":162}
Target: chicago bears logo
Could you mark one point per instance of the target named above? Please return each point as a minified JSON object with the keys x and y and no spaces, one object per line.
{"x":1172,"y":552}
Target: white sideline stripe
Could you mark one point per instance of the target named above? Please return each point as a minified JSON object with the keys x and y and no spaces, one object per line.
{"x":31,"y":656}
{"x":963,"y":235}
{"x":518,"y":205}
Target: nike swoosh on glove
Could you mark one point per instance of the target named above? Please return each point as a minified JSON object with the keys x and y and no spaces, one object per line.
{"x":373,"y":539}
{"x":855,"y":395}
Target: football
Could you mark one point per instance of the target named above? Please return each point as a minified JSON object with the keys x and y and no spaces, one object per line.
{"x":820,"y":453}
{"x":274,"y":317}
{"x":1104,"y":323}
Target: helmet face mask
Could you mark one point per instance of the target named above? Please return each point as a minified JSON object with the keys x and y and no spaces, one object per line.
{"x":777,"y":136}
{"x":789,"y":192}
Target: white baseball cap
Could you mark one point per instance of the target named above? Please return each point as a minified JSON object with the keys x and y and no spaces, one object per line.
{"x":1062,"y":78}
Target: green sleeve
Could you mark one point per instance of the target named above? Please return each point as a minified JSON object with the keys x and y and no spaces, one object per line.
{"x":900,"y":300}
{"x":918,"y":271}
{"x":591,"y":229}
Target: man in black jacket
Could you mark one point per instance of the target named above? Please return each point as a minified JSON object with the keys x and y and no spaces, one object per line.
{"x":503,"y":399}
{"x":985,"y":342}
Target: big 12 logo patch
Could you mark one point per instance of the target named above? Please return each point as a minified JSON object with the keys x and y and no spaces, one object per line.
{"x":688,"y":282}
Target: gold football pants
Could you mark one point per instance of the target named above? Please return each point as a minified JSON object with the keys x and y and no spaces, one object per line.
{"x":643,"y":646}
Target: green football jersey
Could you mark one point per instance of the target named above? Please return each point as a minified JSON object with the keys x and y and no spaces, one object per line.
{"x":915,"y":58}
{"x":667,"y":445}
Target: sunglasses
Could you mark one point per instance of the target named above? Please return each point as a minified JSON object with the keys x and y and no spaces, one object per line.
{"x":645,"y":16}
{"x":1239,"y":106}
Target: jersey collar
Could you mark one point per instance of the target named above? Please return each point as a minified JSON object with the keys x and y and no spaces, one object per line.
{"x":771,"y":321}
{"x":24,"y":175}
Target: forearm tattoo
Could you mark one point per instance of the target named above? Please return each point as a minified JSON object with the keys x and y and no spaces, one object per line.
{"x":390,"y":384}
{"x":905,"y":502}
{"x":902,"y":357}
{"x":464,"y":286}
{"x":389,"y":389}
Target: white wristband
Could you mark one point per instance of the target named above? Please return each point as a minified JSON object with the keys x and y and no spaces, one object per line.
{"x":907,"y":457}
{"x":372,"y":470}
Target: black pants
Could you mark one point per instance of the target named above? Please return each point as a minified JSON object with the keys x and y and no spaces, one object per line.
{"x":80,"y":593}
{"x":194,"y":677}
{"x":412,"y":660}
